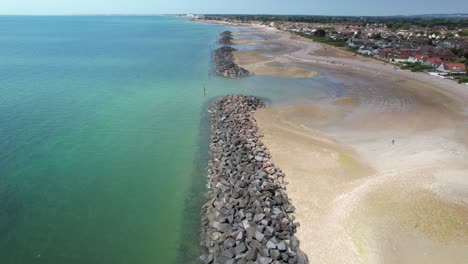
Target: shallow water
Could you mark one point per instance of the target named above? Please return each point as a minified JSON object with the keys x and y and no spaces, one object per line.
{"x":104,"y":136}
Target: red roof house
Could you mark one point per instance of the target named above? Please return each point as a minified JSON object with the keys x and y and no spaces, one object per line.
{"x":421,"y":57}
{"x":433,"y":61}
{"x":418,"y":58}
{"x":452,"y":68}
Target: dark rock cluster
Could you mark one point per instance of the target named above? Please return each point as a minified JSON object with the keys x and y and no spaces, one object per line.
{"x":226,"y":38}
{"x":226,"y":33}
{"x":224,"y":59}
{"x":247,"y":217}
{"x":224,"y":63}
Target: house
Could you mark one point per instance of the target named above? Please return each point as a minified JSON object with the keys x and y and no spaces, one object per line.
{"x":454,"y":68}
{"x":385,"y":53}
{"x":444,"y":54}
{"x":418,"y":58}
{"x":370,"y":51}
{"x":403,"y":56}
{"x":433,"y":61}
{"x":453,"y":43}
{"x":339,"y":36}
{"x":448,"y":44}
{"x":353,"y":42}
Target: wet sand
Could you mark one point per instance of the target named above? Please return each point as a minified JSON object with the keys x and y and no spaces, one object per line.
{"x":262,"y":65}
{"x":262,"y":59}
{"x":361,"y":198}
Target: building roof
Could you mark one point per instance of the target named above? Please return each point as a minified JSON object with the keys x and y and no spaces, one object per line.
{"x":420,"y":57}
{"x":443,"y":53}
{"x":456,"y":67}
{"x":434,"y":61}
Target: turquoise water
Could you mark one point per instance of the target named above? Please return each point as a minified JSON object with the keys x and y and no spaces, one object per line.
{"x":104,"y":136}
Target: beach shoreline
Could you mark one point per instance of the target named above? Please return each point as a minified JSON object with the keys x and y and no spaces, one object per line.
{"x":378,"y":174}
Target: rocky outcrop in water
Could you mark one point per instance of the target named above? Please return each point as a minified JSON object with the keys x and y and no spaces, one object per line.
{"x":247,"y":217}
{"x":226,"y":38}
{"x":226,"y":33}
{"x":224,"y":63}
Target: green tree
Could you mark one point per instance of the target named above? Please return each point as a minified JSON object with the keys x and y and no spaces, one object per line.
{"x":358,"y":34}
{"x":320,"y":32}
{"x":377,"y":36}
{"x":458,"y":52}
{"x":463,"y":79}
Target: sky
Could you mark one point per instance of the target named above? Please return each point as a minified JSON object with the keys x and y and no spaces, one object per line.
{"x":303,"y":7}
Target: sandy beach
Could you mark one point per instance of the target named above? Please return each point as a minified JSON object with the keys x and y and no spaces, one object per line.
{"x":379,"y":175}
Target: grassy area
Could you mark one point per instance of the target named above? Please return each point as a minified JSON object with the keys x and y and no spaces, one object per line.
{"x":463,"y":79}
{"x":352,"y":49}
{"x":325,"y":40}
{"x":416,"y":67}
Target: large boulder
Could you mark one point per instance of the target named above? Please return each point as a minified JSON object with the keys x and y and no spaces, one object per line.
{"x":224,"y":63}
{"x":247,"y":216}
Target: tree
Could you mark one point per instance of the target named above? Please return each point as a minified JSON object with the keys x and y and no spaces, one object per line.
{"x":320,"y":32}
{"x":358,"y":34}
{"x":458,"y":52}
{"x":377,"y":36}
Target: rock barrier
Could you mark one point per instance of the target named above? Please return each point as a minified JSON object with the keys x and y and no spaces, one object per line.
{"x":226,"y":33}
{"x":226,"y":38}
{"x":224,"y":59}
{"x":224,"y":63}
{"x":247,"y":217}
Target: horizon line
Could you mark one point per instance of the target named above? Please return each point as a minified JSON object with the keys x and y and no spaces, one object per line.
{"x":226,"y":14}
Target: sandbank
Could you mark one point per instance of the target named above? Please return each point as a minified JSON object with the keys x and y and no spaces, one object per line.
{"x":377,"y":176}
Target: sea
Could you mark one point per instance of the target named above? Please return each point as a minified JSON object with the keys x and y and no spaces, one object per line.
{"x":104,"y":135}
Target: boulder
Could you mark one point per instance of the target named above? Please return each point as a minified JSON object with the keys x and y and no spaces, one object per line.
{"x":246,"y":218}
{"x":224,"y":63}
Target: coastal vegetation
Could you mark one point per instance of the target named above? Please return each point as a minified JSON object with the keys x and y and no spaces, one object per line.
{"x":416,"y":67}
{"x":322,"y":39}
{"x":463,"y":79}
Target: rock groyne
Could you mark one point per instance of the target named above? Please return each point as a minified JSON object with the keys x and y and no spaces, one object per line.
{"x":226,"y":33}
{"x":247,"y":217}
{"x":226,"y":38}
{"x":224,"y":63}
{"x":224,"y":59}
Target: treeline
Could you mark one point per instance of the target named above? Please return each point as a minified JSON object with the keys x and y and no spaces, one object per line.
{"x":406,"y":23}
{"x":391,"y":22}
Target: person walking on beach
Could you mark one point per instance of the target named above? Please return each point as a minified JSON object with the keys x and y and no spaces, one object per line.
{"x":393,"y":142}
